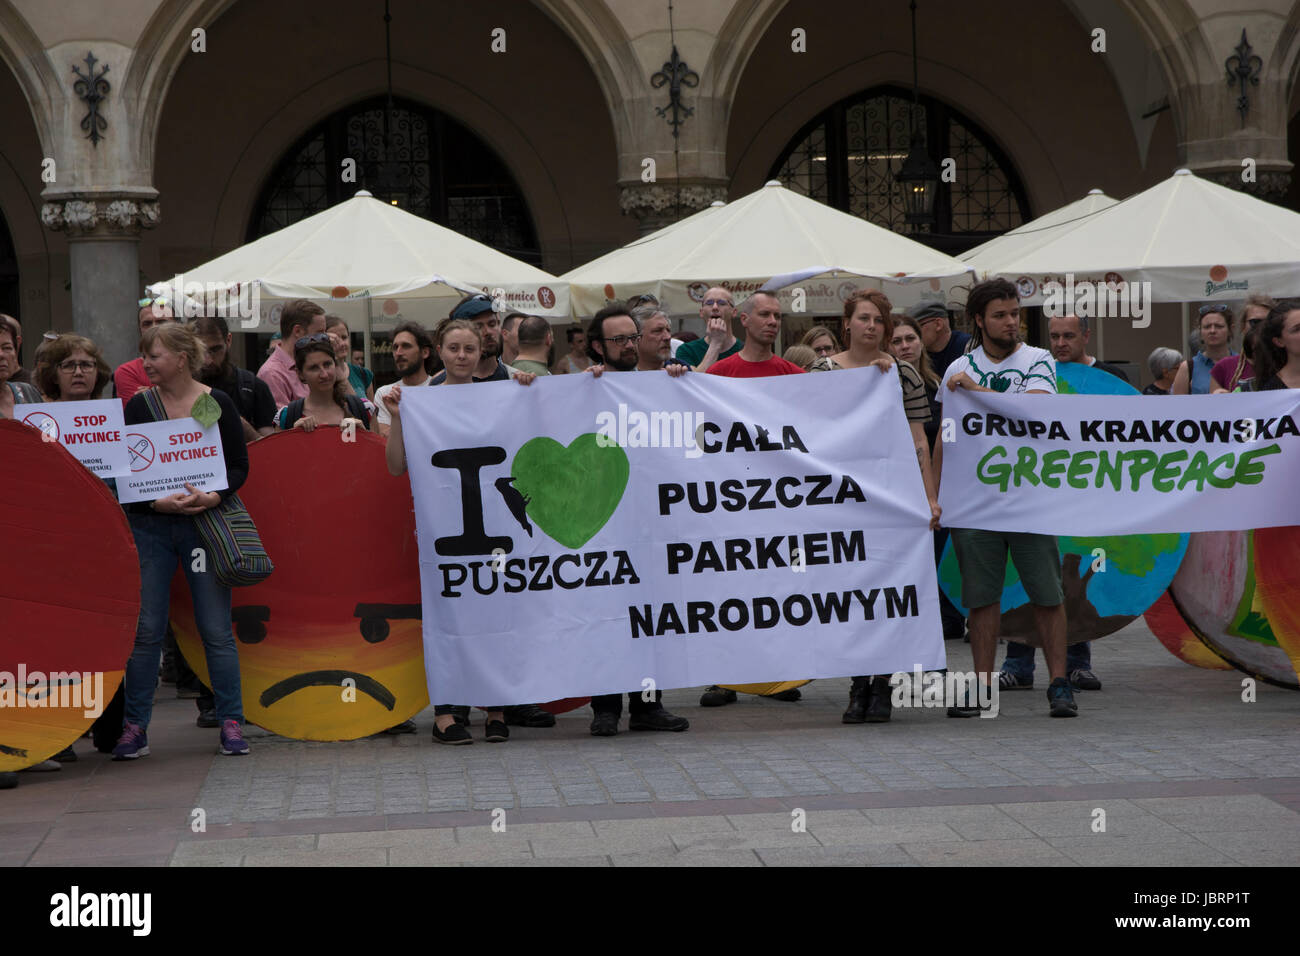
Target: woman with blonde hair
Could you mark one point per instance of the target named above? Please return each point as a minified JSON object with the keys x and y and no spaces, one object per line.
{"x":821,"y":340}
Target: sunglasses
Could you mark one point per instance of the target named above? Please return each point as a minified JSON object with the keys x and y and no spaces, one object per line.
{"x":644,"y":299}
{"x":1206,"y":309}
{"x":307,"y":340}
{"x":161,"y":302}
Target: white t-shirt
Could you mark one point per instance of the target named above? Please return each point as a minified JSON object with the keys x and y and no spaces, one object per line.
{"x":1024,"y":370}
{"x":381,"y":410}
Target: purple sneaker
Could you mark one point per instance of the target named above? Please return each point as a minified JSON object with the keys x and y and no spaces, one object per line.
{"x":232,"y":739}
{"x":132,"y":744}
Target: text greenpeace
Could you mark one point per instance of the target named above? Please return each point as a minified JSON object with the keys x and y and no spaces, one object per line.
{"x":1102,"y":464}
{"x":793,"y":545}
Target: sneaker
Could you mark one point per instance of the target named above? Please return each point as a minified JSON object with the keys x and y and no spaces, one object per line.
{"x":715,"y":696}
{"x":233,"y":743}
{"x":45,"y":766}
{"x":496,"y":732}
{"x":657,"y":719}
{"x":789,"y":696}
{"x":1009,"y":681}
{"x":405,"y":727}
{"x":132,"y":744}
{"x":604,"y":725}
{"x":455,"y":734}
{"x":529,"y":715}
{"x":1061,"y":699}
{"x":1084,"y":679}
{"x":207,"y":718}
{"x":966,"y":707}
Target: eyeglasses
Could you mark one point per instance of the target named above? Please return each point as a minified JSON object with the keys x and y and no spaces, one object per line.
{"x":825,"y":350}
{"x":1220,"y":307}
{"x":74,"y":366}
{"x":711,"y":302}
{"x":307,"y":340}
{"x":621,"y":340}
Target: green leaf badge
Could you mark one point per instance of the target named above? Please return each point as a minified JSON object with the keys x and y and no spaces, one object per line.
{"x":205,"y":411}
{"x":573,"y":491}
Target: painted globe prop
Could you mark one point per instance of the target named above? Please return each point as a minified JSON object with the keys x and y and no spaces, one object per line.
{"x":69,"y":597}
{"x":1238,"y":602}
{"x":1108,"y":581}
{"x":330,"y":645}
{"x":1179,"y":639}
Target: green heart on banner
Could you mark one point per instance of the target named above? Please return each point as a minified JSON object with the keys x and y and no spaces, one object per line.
{"x":571,"y":491}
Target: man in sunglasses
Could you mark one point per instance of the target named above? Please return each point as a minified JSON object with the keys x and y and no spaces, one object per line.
{"x":719,"y":342}
{"x":299,"y":319}
{"x":129,"y":377}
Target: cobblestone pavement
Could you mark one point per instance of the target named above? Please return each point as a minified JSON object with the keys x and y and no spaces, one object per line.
{"x":1184,"y":770}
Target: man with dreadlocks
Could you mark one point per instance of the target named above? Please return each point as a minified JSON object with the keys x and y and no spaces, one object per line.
{"x":999,"y":362}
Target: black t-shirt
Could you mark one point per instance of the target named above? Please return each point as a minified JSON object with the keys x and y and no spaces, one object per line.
{"x":1154,"y":389}
{"x":251,"y":396}
{"x":955,"y":348}
{"x":233,"y":447}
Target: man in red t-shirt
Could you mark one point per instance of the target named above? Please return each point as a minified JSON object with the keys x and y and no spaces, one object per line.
{"x":760,"y":316}
{"x":129,"y":377}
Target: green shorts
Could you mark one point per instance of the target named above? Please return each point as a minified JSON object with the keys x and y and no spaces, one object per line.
{"x":982,"y":559}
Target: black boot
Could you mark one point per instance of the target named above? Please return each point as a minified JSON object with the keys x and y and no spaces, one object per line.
{"x":880,"y":706}
{"x":859,"y":693}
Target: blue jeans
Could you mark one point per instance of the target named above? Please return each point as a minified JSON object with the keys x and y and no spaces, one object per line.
{"x":1020,"y":659}
{"x":162,"y":541}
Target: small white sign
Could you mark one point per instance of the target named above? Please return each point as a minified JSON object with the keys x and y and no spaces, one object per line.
{"x":92,"y":431}
{"x":164,"y":456}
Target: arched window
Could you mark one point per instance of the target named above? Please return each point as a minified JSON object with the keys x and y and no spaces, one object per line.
{"x":439,"y":169}
{"x":848,"y":155}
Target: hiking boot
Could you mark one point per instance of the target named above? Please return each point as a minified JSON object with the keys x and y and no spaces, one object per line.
{"x":207,"y":718}
{"x":859,"y":697}
{"x":604,"y":725}
{"x":656,"y":719}
{"x":880,"y":705}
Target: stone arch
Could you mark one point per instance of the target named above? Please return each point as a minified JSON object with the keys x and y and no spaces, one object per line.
{"x":26,"y":57}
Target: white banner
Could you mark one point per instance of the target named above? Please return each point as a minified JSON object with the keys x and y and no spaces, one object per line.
{"x":164,"y":456}
{"x":576,"y":538}
{"x":1103,"y":464}
{"x":92,"y":431}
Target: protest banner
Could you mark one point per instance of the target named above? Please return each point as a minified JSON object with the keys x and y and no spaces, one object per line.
{"x":165,"y":456}
{"x":92,"y":431}
{"x":585,"y":536}
{"x":1103,"y":465}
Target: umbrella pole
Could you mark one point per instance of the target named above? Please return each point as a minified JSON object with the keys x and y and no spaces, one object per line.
{"x":1187,"y":327}
{"x":366,"y":336}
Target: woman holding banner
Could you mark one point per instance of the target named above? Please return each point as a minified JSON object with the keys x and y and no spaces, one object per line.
{"x":165,"y":533}
{"x":459,"y":343}
{"x":72,"y":369}
{"x":868,"y":329}
{"x":329,"y":401}
{"x":1277,"y":351}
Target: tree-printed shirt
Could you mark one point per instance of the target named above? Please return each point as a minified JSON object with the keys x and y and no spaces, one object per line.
{"x":1027,"y":369}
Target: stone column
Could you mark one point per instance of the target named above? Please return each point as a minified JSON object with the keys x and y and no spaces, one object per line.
{"x":103,"y":249}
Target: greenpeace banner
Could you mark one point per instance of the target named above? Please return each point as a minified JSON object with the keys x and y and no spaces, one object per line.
{"x":1101,"y":464}
{"x":584,"y":536}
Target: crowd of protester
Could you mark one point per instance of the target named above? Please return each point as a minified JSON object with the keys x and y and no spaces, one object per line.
{"x":312,"y":378}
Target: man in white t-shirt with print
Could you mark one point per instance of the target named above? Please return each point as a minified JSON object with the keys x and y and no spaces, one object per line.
{"x":413,"y":359}
{"x":999,"y":362}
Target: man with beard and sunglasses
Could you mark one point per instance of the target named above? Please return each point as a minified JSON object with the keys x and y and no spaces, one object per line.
{"x":413,"y":359}
{"x":612,"y":343}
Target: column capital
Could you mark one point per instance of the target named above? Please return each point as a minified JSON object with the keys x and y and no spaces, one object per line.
{"x":1271,"y":185}
{"x":655,"y":204}
{"x":101,"y":215}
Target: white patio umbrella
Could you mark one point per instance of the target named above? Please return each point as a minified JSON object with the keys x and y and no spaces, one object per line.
{"x":372,"y":263}
{"x":1191,"y":239}
{"x":990,"y":258}
{"x":771,"y":232}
